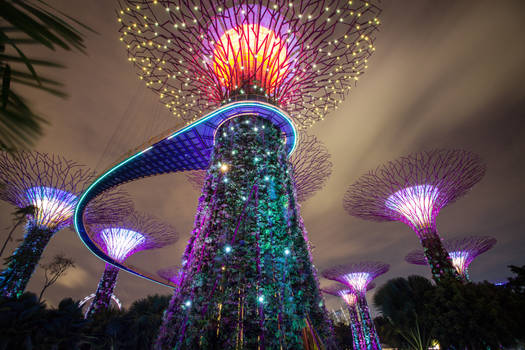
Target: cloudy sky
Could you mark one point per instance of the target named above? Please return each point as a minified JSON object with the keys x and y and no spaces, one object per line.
{"x":445,"y":74}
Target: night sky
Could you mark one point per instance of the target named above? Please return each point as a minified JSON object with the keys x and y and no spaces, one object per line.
{"x":445,"y":74}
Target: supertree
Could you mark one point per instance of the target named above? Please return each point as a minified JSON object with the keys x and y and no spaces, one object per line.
{"x":310,"y":164}
{"x":50,"y":185}
{"x":247,"y":279}
{"x":119,"y":240}
{"x":413,"y":190}
{"x":350,"y":298}
{"x":462,"y":251}
{"x":357,"y":277}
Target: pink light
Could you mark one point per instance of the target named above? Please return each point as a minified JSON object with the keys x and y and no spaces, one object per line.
{"x":358,"y":280}
{"x":250,"y":53}
{"x":121,"y":242}
{"x":54,"y":207}
{"x":415,"y":204}
{"x":349,"y":297}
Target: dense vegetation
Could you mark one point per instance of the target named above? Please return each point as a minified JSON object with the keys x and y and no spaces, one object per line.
{"x":416,"y":314}
{"x":27,"y":323}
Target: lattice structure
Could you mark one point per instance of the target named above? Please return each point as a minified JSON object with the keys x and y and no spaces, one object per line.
{"x":462,"y":251}
{"x":310,"y":163}
{"x":413,"y":190}
{"x":172,"y":274}
{"x":357,"y":277}
{"x":305,"y":56}
{"x":51,"y":185}
{"x":119,"y":240}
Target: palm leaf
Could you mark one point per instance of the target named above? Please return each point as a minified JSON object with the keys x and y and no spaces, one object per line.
{"x":27,"y":23}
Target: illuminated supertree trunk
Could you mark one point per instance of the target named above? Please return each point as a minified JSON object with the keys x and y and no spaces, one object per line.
{"x":356,"y":326}
{"x":369,"y":329}
{"x":247,"y":281}
{"x":105,"y":289}
{"x":120,"y":240}
{"x":357,"y":277}
{"x":22,"y":263}
{"x":439,"y":261}
{"x":50,"y":185}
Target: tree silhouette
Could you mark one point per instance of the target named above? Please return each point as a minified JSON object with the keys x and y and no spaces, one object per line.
{"x":19,"y":215}
{"x":54,"y":270}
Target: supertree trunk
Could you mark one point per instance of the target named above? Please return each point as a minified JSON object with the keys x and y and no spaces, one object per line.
{"x":104,"y":291}
{"x":357,"y":329}
{"x":23,"y":262}
{"x":247,"y":281}
{"x":437,"y":256}
{"x":369,"y":330}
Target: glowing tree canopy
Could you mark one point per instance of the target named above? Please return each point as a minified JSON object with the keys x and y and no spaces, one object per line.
{"x":51,"y":185}
{"x":119,"y":240}
{"x":413,"y":190}
{"x":462,"y":251}
{"x":357,"y":277}
{"x":350,"y":298}
{"x":310,"y":163}
{"x":305,"y":56}
{"x":172,"y":274}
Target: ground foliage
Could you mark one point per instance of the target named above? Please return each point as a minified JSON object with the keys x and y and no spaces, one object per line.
{"x":26,"y":323}
{"x":458,"y":315}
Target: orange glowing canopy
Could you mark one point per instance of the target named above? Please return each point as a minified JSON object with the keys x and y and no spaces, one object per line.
{"x":250,"y":55}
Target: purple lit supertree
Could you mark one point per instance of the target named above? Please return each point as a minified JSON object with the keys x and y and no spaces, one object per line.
{"x":310,"y":164}
{"x":247,"y":279}
{"x":50,"y":185}
{"x":462,"y":251}
{"x":350,"y":298}
{"x":413,"y":190}
{"x":119,"y":240}
{"x":357,"y":277}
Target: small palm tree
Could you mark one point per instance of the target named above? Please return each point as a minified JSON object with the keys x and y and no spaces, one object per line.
{"x":25,"y":23}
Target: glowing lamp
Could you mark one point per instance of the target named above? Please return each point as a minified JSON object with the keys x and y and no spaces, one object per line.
{"x":460,"y":260}
{"x":415,"y":204}
{"x":54,"y":207}
{"x":358,"y":280}
{"x":349,"y":298}
{"x":250,"y":54}
{"x":121,"y":242}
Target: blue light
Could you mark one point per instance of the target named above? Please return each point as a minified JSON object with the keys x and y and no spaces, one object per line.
{"x":227,"y":248}
{"x":287,"y":251}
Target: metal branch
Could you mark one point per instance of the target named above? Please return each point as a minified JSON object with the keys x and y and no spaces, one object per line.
{"x":198,"y":54}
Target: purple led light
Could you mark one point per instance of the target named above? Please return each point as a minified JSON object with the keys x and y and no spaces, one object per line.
{"x":120,"y":242}
{"x":54,"y":207}
{"x":357,"y":276}
{"x":415,"y":203}
{"x":413,"y":189}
